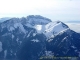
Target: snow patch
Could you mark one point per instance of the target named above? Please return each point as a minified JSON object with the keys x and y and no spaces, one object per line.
{"x":73,"y":47}
{"x":64,"y":38}
{"x":1,"y":46}
{"x":49,"y":53}
{"x":34,"y":34}
{"x":12,"y":36}
{"x":16,"y":25}
{"x":5,"y":53}
{"x":50,"y":40}
{"x":11,"y":29}
{"x":29,"y":34}
{"x":40,"y":28}
{"x":20,"y":26}
{"x":15,"y":54}
{"x":35,"y":40}
{"x":79,"y":54}
{"x":29,"y":25}
{"x":17,"y":40}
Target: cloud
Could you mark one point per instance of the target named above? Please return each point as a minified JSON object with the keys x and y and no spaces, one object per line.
{"x":74,"y":26}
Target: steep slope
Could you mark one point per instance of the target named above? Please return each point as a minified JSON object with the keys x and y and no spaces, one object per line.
{"x":66,"y":44}
{"x":54,"y":28}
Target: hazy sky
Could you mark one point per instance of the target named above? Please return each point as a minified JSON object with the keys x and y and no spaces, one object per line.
{"x":74,"y":26}
{"x":53,"y":9}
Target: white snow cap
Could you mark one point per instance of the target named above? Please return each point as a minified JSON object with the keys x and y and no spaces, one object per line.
{"x":54,"y":28}
{"x":51,"y":28}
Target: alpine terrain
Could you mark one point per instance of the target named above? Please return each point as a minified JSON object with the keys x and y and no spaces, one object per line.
{"x":35,"y":37}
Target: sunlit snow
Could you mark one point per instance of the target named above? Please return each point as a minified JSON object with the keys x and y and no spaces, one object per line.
{"x":35,"y":40}
{"x":38,"y":27}
{"x":20,"y":27}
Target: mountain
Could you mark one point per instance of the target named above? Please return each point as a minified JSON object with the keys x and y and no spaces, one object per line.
{"x":35,"y":37}
{"x":4,"y":19}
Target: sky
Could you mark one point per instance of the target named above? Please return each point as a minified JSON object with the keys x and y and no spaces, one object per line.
{"x":63,"y":10}
{"x":74,"y":26}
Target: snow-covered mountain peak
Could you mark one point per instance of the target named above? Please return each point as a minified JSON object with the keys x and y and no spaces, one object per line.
{"x":54,"y":28}
{"x":59,"y":22}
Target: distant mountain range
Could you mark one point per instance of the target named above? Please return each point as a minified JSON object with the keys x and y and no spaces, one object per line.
{"x":4,"y":19}
{"x":73,"y":21}
{"x":35,"y":37}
